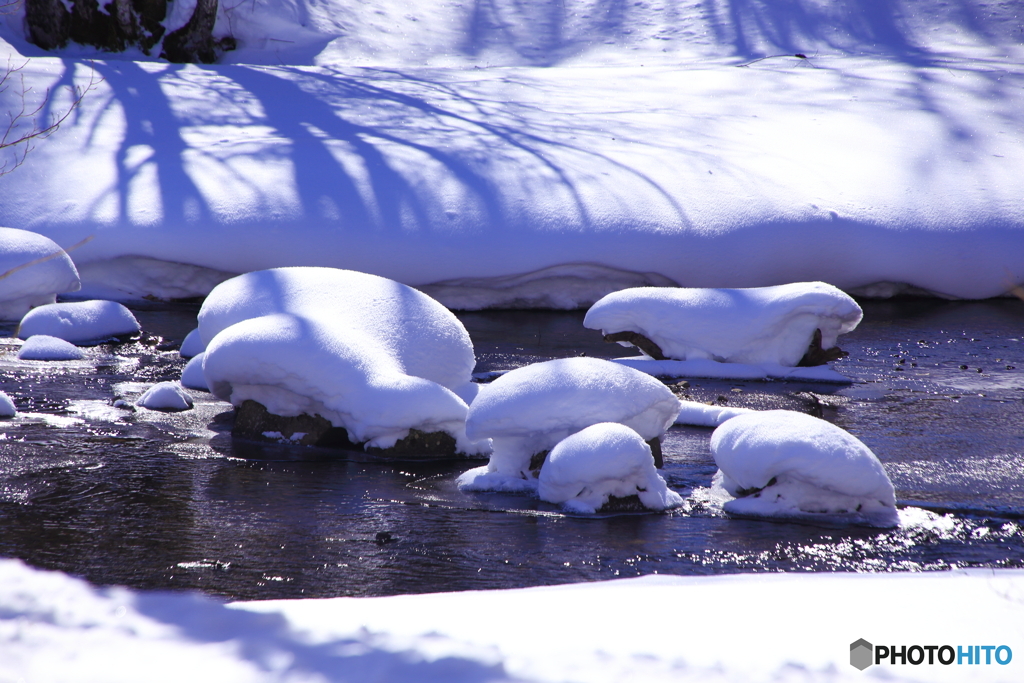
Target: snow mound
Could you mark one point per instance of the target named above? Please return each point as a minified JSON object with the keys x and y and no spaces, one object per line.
{"x":192,"y":376}
{"x":35,"y":269}
{"x":81,"y":322}
{"x":530,"y":409}
{"x":7,"y":408}
{"x":755,"y":325}
{"x":45,"y":347}
{"x":586,"y":469}
{"x":193,"y":345}
{"x":784,"y":464}
{"x":702,"y":415}
{"x":366,"y":353}
{"x":169,"y":396}
{"x":126,"y":278}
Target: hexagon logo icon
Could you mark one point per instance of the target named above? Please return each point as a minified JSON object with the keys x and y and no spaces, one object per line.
{"x":861,"y":654}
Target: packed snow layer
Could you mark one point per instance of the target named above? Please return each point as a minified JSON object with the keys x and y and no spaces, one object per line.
{"x":7,"y":408}
{"x":192,"y":374}
{"x":54,"y":627}
{"x":366,"y":353}
{"x":884,"y":159}
{"x":607,"y":459}
{"x":80,"y":322}
{"x":44,"y":347}
{"x":530,"y":409}
{"x":784,"y":464}
{"x":33,"y":270}
{"x":169,"y":396}
{"x":754,"y":325}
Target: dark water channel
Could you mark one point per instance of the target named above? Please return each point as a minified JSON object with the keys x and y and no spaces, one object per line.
{"x":155,"y":500}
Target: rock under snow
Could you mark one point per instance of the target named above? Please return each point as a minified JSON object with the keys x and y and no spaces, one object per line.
{"x":527,"y":411}
{"x":192,"y":375}
{"x":80,"y":322}
{"x":45,"y":347}
{"x":758,"y":325}
{"x":168,"y":396}
{"x":193,"y":345}
{"x":600,"y":468}
{"x":784,"y":464}
{"x":365,"y":353}
{"x":33,"y":270}
{"x":7,"y":408}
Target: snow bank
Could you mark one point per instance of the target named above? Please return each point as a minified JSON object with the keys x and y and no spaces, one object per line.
{"x":44,"y":347}
{"x":366,"y":353}
{"x":192,"y":375}
{"x":33,"y":270}
{"x":81,"y":322}
{"x":7,"y":408}
{"x":168,"y":396}
{"x":788,"y":465}
{"x":757,"y":325}
{"x":530,"y":409}
{"x":608,"y":459}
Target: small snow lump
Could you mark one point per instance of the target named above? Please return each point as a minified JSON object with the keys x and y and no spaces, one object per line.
{"x":45,"y":347}
{"x":7,"y":408}
{"x":785,"y":464}
{"x":192,"y":376}
{"x":608,"y":460}
{"x":165,"y":396}
{"x":80,"y":322}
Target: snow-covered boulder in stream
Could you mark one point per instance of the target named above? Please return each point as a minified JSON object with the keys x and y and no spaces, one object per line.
{"x":786,"y":325}
{"x":788,"y":465}
{"x":603,"y":468}
{"x":166,"y":396}
{"x":80,"y":322}
{"x":35,"y":269}
{"x":338,"y":349}
{"x":45,"y":347}
{"x":527,"y":411}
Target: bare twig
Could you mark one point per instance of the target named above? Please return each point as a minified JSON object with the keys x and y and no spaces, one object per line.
{"x":44,"y":259}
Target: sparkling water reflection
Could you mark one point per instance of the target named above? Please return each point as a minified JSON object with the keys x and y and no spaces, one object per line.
{"x":154,"y":500}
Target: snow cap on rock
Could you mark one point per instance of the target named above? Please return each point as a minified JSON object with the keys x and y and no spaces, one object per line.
{"x":169,"y":396}
{"x":607,"y":459}
{"x":80,"y":322}
{"x":36,"y":269}
{"x":781,"y":463}
{"x":7,"y":408}
{"x":755,"y":325}
{"x":45,"y":347}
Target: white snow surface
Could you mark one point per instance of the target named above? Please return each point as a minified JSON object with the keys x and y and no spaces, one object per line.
{"x":54,"y":628}
{"x":752,"y":325}
{"x":45,"y":347}
{"x":607,"y":459}
{"x":7,"y":408}
{"x":80,"y":322}
{"x":33,"y":270}
{"x":468,"y":147}
{"x":192,"y":374}
{"x":532,"y":408}
{"x":366,"y":353}
{"x":701,"y":415}
{"x":785,"y":464}
{"x":170,"y":396}
{"x":192,"y":345}
{"x":706,"y":368}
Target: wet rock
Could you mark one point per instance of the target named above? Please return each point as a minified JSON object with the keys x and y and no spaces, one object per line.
{"x":818,"y":356}
{"x":639,"y":341}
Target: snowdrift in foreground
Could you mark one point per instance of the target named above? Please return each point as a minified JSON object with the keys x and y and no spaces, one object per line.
{"x":788,"y":465}
{"x":56,"y":628}
{"x":530,"y":409}
{"x":35,"y":270}
{"x":80,"y":322}
{"x":365,"y":353}
{"x":587,"y":470}
{"x":758,"y":325}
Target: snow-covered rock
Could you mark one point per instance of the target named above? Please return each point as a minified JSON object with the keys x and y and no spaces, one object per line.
{"x":193,"y":345}
{"x":45,"y":347}
{"x":168,"y":396}
{"x":702,"y":415}
{"x":784,"y":464}
{"x":586,"y":469}
{"x":80,"y":322}
{"x":7,"y":408}
{"x":757,"y":325}
{"x":33,"y":270}
{"x":192,"y":375}
{"x":368,"y":354}
{"x":530,"y":409}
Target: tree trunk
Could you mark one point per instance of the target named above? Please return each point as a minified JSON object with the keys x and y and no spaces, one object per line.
{"x":118,"y":25}
{"x":48,"y":22}
{"x":194,"y":41}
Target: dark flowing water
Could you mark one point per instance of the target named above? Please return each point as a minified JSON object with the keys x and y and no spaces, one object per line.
{"x":155,"y":500}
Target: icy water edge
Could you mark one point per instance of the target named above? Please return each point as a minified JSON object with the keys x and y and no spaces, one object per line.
{"x":154,"y":500}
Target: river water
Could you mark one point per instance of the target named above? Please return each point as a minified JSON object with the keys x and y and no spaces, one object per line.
{"x":171,"y":501}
